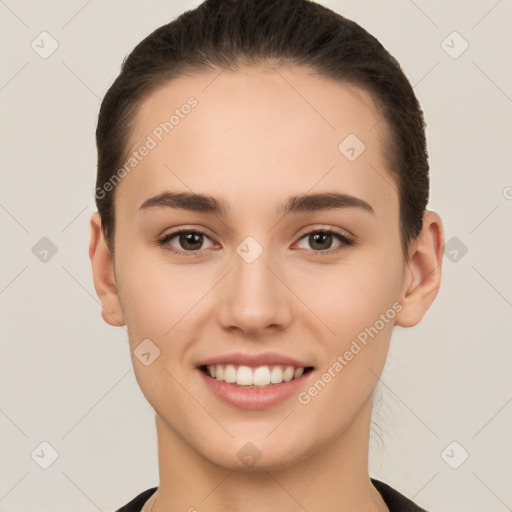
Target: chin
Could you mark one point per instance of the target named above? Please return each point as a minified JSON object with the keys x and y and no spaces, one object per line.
{"x":246,"y":456}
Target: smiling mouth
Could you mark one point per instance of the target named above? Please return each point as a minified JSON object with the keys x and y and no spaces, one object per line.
{"x":254,"y":377}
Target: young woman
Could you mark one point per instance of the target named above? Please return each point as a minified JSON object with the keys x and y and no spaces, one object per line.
{"x":262,"y":226}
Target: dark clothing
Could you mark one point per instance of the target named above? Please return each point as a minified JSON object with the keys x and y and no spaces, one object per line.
{"x":395,"y":501}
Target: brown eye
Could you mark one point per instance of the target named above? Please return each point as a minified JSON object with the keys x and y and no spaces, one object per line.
{"x":322,"y":240}
{"x":188,"y":241}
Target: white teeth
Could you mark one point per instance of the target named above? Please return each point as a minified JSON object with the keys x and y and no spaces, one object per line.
{"x":260,"y":376}
{"x":230,"y":373}
{"x":276,"y":375}
{"x":288,"y":374}
{"x":244,"y":376}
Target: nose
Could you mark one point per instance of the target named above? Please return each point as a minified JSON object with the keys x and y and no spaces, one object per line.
{"x":255,"y":297}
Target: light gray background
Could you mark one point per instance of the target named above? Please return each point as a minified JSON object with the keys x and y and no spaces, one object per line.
{"x":66,"y":376}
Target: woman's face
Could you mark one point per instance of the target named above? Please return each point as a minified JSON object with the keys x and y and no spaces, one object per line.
{"x":257,"y":288}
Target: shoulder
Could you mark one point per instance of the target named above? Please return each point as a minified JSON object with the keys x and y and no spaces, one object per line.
{"x":138,"y":502}
{"x":395,"y":501}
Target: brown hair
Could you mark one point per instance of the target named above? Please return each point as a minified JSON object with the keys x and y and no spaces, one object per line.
{"x":225,"y":34}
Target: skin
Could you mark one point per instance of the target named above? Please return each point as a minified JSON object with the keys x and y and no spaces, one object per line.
{"x":253,"y":141}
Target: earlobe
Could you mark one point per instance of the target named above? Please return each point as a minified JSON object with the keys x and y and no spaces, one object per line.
{"x":103,"y":275}
{"x":424,"y":269}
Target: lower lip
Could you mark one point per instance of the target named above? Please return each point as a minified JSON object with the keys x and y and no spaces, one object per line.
{"x":254,"y":398}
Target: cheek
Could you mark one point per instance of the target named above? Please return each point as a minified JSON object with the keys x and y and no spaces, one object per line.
{"x":351,"y":296}
{"x":144,"y":301}
{"x":359,"y":306}
{"x":154,"y":294}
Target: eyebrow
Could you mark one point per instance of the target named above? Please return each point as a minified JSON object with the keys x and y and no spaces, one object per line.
{"x":204,"y":203}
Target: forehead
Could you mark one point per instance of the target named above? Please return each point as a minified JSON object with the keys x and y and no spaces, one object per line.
{"x":259,"y":133}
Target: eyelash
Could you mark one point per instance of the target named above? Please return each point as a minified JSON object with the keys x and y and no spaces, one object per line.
{"x":345,"y":241}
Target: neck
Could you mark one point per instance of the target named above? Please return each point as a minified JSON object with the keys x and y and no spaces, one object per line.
{"x":334,"y":479}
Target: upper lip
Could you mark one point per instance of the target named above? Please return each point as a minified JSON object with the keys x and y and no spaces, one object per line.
{"x":255,"y":360}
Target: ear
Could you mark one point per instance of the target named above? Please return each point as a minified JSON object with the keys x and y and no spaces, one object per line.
{"x":423,"y":271}
{"x":103,"y":275}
